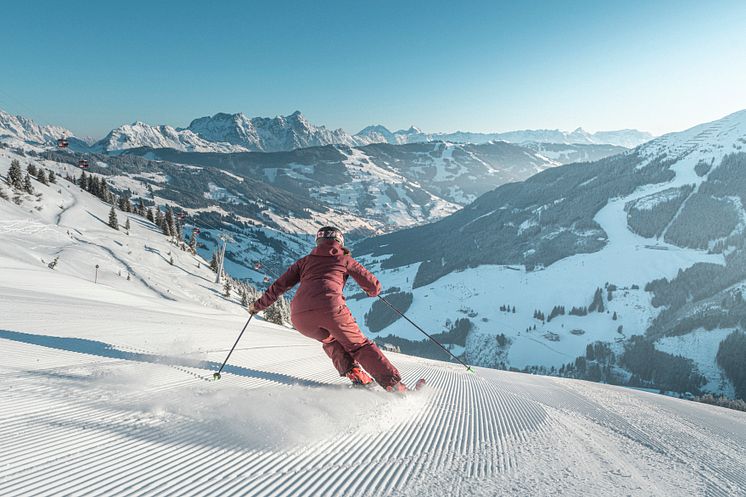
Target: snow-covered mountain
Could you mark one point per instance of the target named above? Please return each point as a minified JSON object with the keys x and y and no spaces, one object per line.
{"x":456,"y":173}
{"x":635,"y":251}
{"x":25,"y":130}
{"x":105,"y":357}
{"x":224,"y":133}
{"x":139,"y":134}
{"x":264,"y":134}
{"x":627,"y":138}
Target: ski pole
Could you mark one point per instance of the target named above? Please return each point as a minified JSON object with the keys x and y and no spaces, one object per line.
{"x":468,"y":368}
{"x":216,"y":376}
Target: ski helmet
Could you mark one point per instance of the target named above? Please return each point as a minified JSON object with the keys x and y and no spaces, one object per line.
{"x":330,"y":233}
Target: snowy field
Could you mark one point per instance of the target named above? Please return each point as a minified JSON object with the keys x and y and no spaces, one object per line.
{"x":104,"y":392}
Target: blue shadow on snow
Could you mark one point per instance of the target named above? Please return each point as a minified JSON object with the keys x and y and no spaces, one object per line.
{"x":102,"y":349}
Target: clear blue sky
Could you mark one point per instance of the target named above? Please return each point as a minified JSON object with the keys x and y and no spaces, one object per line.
{"x":443,"y":66}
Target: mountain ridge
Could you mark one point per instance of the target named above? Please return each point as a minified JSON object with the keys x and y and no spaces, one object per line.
{"x":224,"y":132}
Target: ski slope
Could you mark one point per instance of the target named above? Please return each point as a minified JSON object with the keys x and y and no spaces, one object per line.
{"x":104,"y":392}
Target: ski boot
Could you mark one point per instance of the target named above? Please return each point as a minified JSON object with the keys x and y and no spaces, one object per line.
{"x":358,"y":377}
{"x":401,"y":388}
{"x":397,"y":387}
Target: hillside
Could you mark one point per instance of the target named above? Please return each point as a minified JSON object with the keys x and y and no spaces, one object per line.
{"x":103,"y":392}
{"x":646,"y":244}
{"x":270,"y":202}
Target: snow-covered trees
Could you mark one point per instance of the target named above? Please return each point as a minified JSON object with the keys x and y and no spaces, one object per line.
{"x":96,"y":186}
{"x":27,"y":186}
{"x":83,"y":181}
{"x":279,"y":312}
{"x":31,"y":169}
{"x":557,"y":310}
{"x":598,"y":301}
{"x":158,"y":219}
{"x":15,"y":175}
{"x":127,"y":226}
{"x":41,"y":175}
{"x":193,"y":242}
{"x":578,"y":311}
{"x":52,"y":177}
{"x":124,"y":203}
{"x":113,"y":221}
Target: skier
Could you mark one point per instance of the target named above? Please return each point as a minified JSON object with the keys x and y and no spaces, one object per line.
{"x":318,"y":310}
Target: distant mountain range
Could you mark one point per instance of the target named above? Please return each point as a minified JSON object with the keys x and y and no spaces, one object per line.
{"x":224,"y":133}
{"x":628,"y":138}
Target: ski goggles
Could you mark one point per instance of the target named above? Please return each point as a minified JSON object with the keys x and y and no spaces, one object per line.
{"x":331,"y":234}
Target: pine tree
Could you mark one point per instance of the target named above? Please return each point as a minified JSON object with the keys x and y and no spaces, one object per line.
{"x":271,"y":314}
{"x":127,"y":226}
{"x":227,"y":287}
{"x":158,"y":218}
{"x":94,"y":186}
{"x":27,"y":186}
{"x":244,"y":298}
{"x":42,"y":176}
{"x":113,"y":221}
{"x":141,"y":208}
{"x":15,"y":175}
{"x":170,"y":223}
{"x":193,"y":242}
{"x":177,"y":229}
{"x":598,"y":301}
{"x":150,"y":216}
{"x":31,"y":169}
{"x":166,"y":227}
{"x":104,"y":193}
{"x":214,"y":263}
{"x":83,"y":181}
{"x":279,"y":312}
{"x":52,"y":177}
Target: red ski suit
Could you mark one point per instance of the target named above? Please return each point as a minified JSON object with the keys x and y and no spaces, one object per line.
{"x":318,"y":309}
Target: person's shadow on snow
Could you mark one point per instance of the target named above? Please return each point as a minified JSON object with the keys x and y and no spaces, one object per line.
{"x":102,"y":349}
